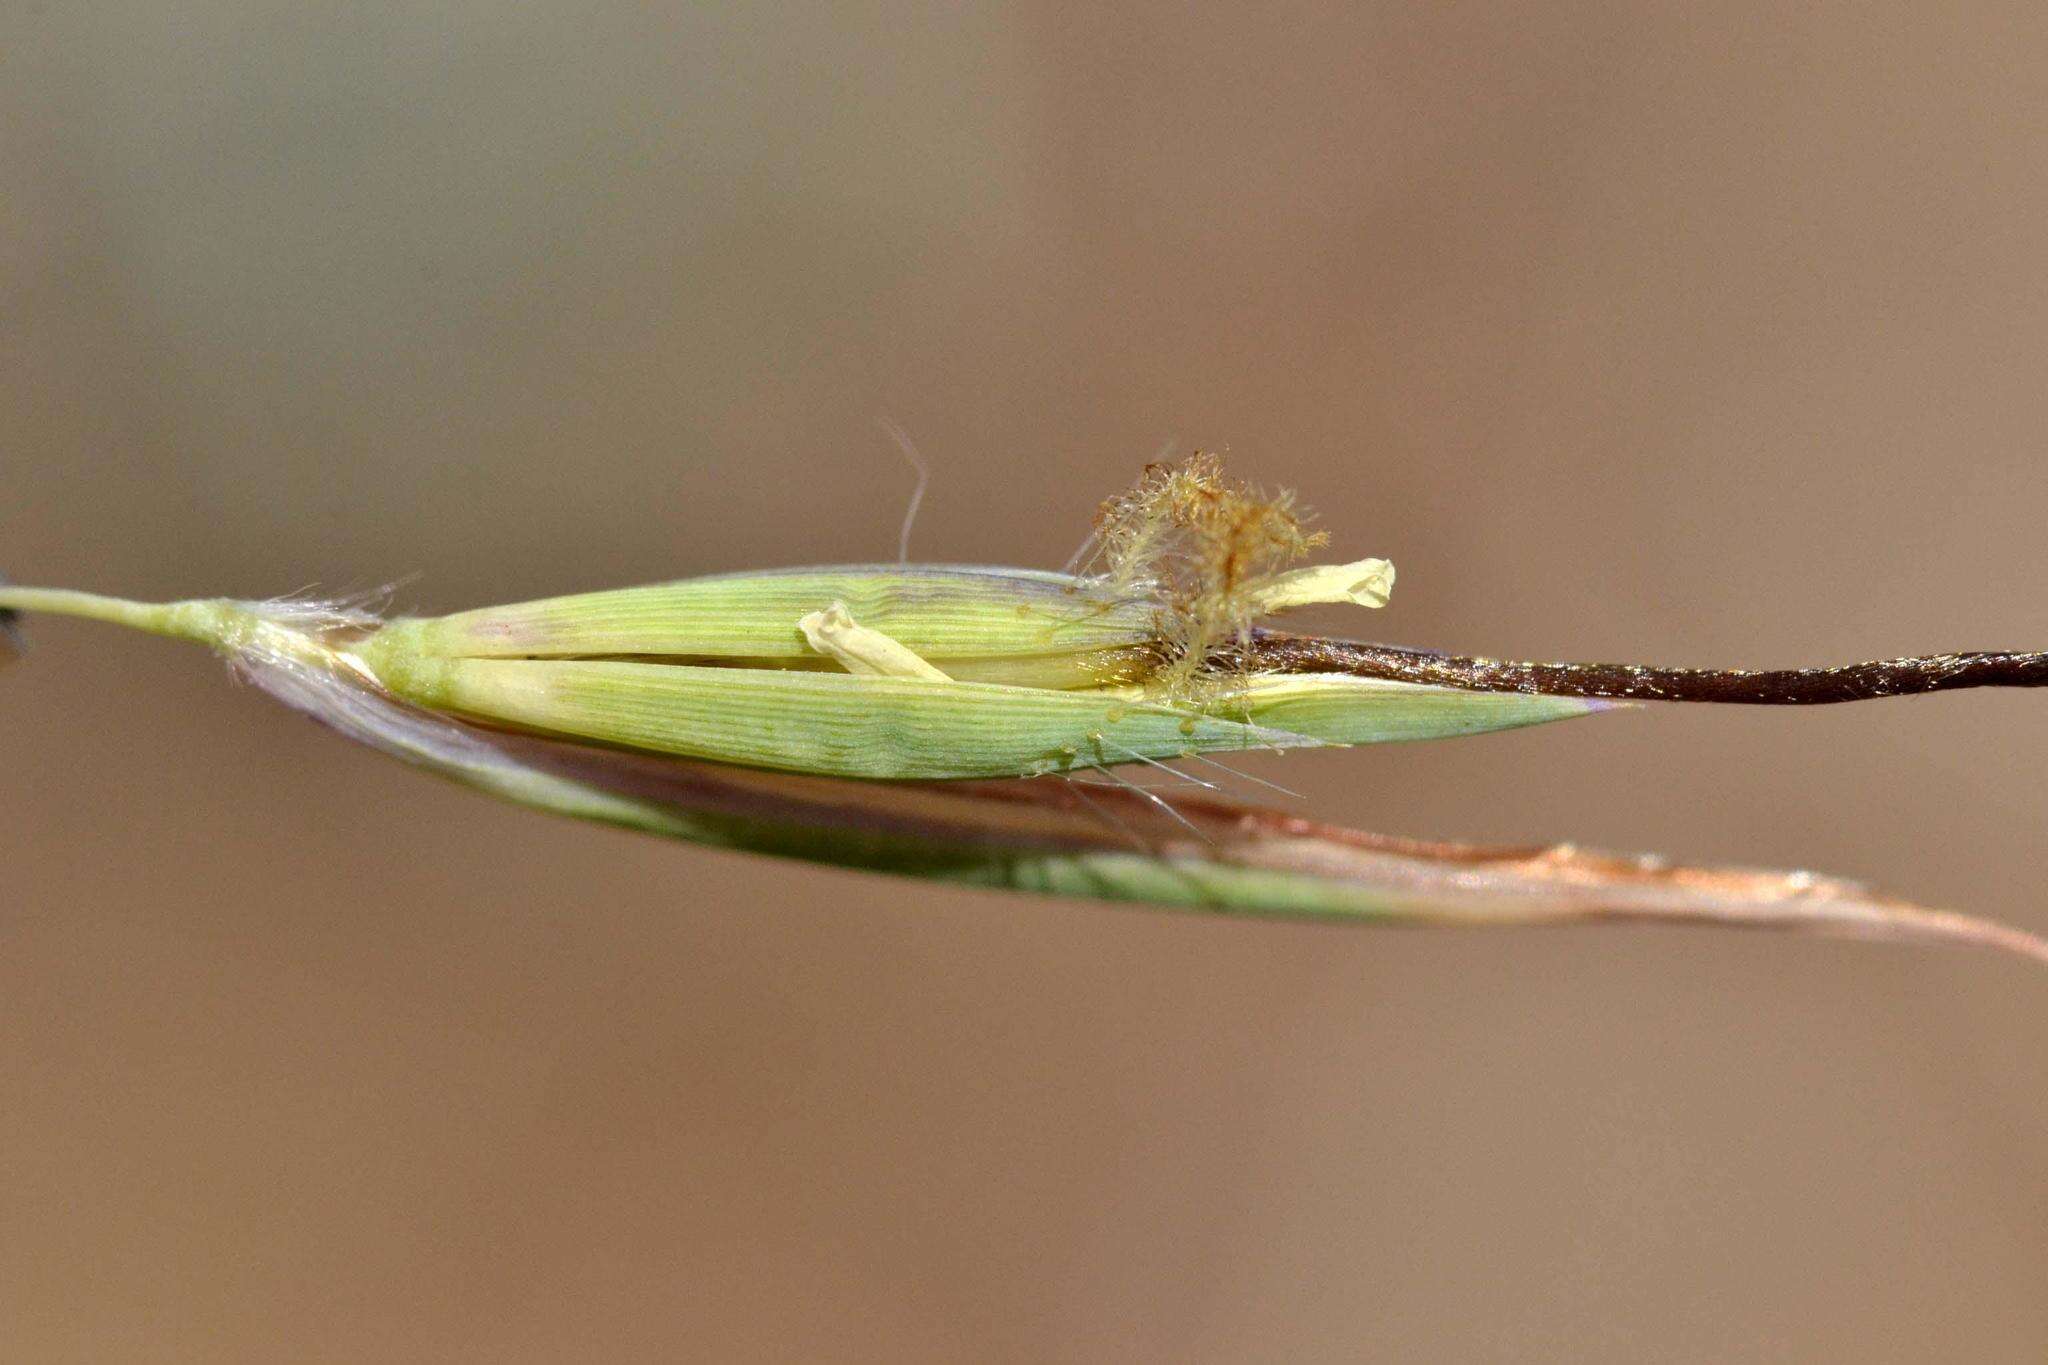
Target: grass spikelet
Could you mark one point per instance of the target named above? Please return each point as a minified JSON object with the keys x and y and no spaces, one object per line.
{"x":905,"y":718}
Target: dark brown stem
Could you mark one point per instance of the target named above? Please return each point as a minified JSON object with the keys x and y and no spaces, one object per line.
{"x":1273,"y":652}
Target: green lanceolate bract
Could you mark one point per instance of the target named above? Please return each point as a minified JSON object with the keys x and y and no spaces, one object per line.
{"x":721,"y":668}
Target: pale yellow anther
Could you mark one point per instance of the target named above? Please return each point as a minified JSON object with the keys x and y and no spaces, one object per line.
{"x":835,"y":633}
{"x":1367,"y":582}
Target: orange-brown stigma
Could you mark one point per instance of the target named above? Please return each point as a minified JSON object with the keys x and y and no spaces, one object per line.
{"x":1196,"y":542}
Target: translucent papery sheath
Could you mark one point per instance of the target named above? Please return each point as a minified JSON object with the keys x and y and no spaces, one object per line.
{"x":622,"y":714}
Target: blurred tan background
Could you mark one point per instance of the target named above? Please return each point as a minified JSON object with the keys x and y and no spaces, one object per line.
{"x":1676,"y":333}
